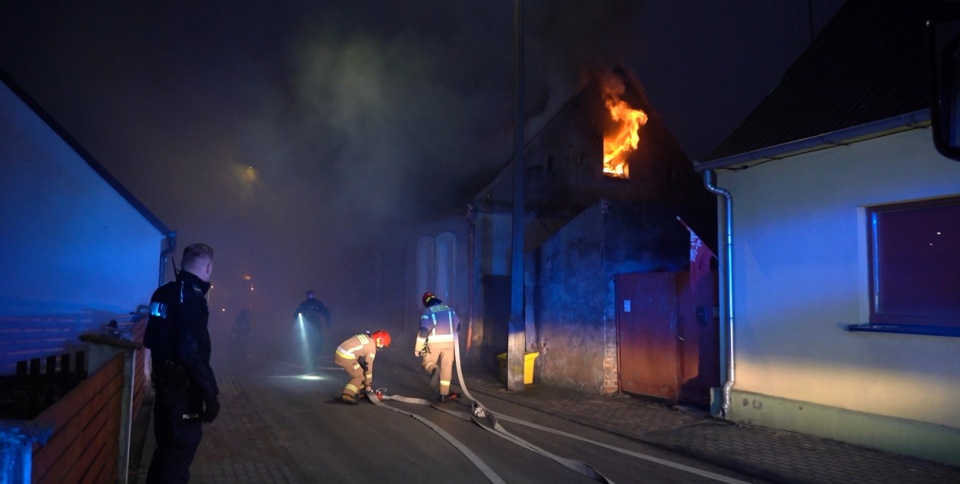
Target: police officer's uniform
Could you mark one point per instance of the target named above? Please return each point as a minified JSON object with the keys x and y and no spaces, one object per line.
{"x":183,"y":380}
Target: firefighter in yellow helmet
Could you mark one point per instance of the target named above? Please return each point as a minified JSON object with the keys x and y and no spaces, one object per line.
{"x":439,"y":326}
{"x":356,"y":355}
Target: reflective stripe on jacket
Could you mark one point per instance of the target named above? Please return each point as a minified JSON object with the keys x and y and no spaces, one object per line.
{"x":438,"y":324}
{"x":359,"y":346}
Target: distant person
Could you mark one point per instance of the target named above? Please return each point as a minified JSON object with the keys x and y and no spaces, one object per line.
{"x":439,"y":326}
{"x":184,"y":383}
{"x":356,"y":355}
{"x":242,"y":326}
{"x":240,"y":334}
{"x":315,"y":317}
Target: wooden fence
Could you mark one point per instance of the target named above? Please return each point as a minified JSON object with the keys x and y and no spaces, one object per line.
{"x":24,"y":395}
{"x":84,"y":444}
{"x":84,"y":436}
{"x":141,"y":374}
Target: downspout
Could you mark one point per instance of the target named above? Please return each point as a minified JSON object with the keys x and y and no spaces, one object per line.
{"x":472,"y":245}
{"x":171,"y":243}
{"x":708,"y":181}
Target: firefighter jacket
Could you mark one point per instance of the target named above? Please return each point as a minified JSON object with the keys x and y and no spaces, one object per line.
{"x":438,"y":324}
{"x":178,"y":338}
{"x":363,"y":349}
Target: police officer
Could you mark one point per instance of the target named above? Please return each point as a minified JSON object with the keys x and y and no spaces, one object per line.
{"x":184,"y":385}
{"x":439,"y":326}
{"x":316,"y":315}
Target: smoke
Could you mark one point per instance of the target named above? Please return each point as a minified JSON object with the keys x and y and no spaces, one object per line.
{"x":568,"y":42}
{"x":285,"y":133}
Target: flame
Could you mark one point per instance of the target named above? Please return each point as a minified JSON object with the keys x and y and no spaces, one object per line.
{"x":623,"y":139}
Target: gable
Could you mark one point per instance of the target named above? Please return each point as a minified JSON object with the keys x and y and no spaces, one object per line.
{"x":74,"y":240}
{"x":13,"y":117}
{"x":564,"y":167}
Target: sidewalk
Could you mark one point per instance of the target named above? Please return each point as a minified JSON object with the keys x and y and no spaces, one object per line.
{"x":767,"y":454}
{"x":223,"y":457}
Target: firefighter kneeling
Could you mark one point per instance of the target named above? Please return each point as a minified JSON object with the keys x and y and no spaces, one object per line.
{"x":356,"y":356}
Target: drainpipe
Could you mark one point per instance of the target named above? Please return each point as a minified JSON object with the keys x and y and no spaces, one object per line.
{"x":472,"y":265}
{"x":708,"y":181}
{"x":171,"y":243}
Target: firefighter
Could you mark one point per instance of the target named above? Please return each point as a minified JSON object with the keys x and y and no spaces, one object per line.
{"x":439,"y":326}
{"x":356,"y":355}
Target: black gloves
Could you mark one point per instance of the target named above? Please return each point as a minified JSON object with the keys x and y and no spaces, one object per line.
{"x":363,"y":363}
{"x":211,"y":407}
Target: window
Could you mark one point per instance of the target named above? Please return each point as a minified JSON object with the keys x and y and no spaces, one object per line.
{"x":914,"y":273}
{"x":436,"y":266}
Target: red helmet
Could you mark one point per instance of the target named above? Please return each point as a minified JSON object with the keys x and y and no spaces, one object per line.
{"x":383,"y":336}
{"x":427,"y":297}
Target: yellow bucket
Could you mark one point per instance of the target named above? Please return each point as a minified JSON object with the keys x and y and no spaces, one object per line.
{"x":528,"y":359}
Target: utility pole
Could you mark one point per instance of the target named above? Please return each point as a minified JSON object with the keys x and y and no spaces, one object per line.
{"x":516,"y":342}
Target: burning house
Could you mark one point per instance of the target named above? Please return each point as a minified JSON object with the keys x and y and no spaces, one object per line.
{"x":604,"y":186}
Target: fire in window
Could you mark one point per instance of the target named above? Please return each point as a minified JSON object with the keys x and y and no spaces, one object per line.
{"x":623,"y":136}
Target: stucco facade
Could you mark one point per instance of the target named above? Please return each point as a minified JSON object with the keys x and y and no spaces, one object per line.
{"x":72,"y":242}
{"x":800,"y":277}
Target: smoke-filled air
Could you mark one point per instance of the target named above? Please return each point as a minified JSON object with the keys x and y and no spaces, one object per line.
{"x":283,"y":133}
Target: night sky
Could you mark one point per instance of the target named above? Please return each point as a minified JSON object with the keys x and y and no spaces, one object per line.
{"x":280,"y":132}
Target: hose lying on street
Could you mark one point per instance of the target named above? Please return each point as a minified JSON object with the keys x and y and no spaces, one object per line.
{"x":477,"y":461}
{"x":488,"y":420}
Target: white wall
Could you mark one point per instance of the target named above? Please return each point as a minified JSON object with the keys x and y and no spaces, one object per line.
{"x":69,"y":241}
{"x":800,"y":278}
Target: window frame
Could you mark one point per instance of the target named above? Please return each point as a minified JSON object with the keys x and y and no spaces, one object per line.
{"x":883,"y":321}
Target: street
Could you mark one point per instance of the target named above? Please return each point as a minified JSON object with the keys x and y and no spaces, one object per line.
{"x":277,"y":426}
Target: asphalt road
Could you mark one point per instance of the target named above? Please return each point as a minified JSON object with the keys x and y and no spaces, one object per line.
{"x":335,"y":442}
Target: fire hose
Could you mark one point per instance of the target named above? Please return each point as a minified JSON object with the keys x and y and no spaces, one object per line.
{"x":489,"y":421}
{"x":486,"y":419}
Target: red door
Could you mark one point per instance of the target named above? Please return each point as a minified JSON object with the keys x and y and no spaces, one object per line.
{"x":647,"y":333}
{"x":699,"y":334}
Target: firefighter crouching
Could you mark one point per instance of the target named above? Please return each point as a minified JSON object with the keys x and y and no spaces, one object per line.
{"x":439,"y":326}
{"x":356,"y":356}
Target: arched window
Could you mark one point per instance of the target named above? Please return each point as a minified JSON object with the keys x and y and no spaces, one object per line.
{"x":437,"y":266}
{"x":446,"y":266}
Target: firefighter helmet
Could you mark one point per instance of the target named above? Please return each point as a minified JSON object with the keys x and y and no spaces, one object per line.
{"x":383,"y":336}
{"x":429,"y":299}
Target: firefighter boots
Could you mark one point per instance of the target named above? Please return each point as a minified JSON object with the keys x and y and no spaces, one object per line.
{"x":447,"y":398}
{"x":349,"y":399}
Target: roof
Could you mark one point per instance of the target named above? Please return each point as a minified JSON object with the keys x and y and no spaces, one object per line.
{"x":867,"y":65}
{"x":91,"y":161}
{"x":564,"y":158}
